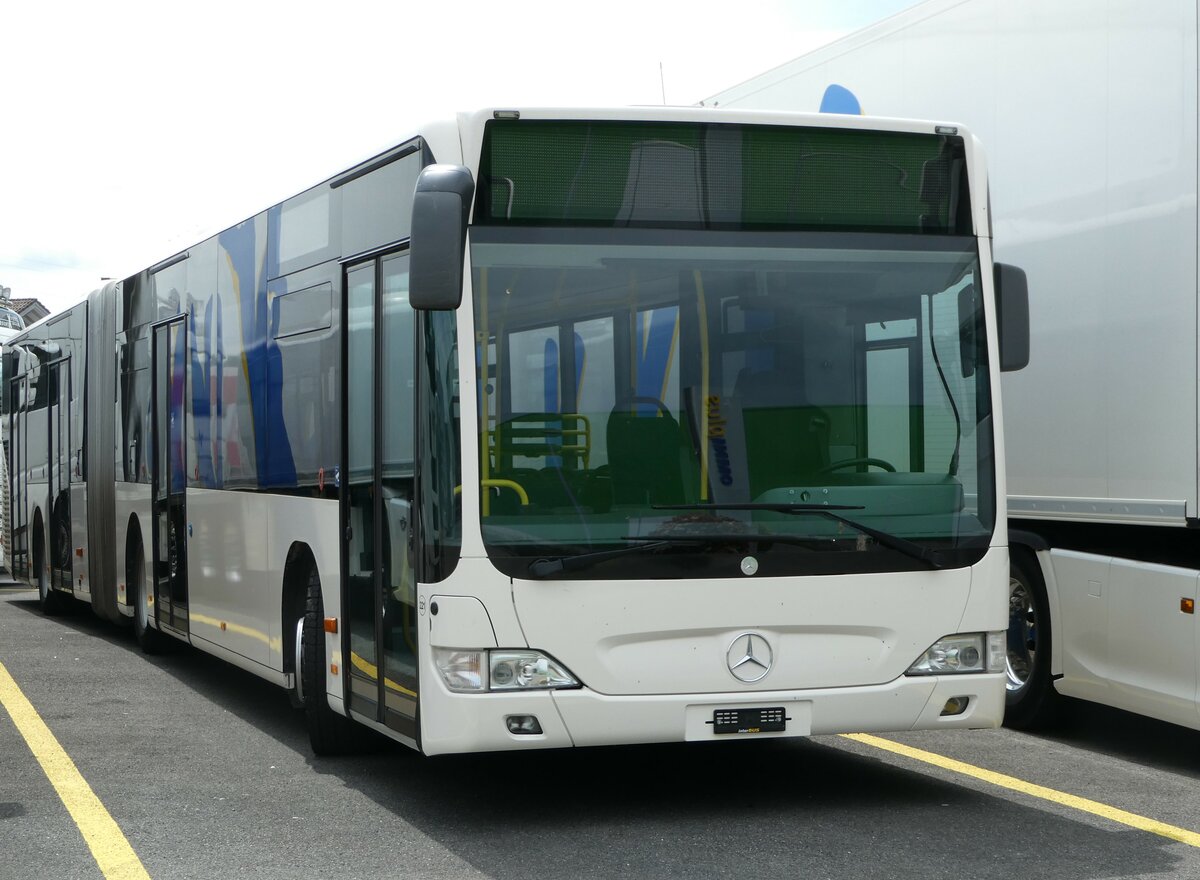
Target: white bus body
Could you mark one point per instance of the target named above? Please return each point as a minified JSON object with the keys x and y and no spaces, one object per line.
{"x":580,"y":507}
{"x":10,"y":325}
{"x":1090,"y":116}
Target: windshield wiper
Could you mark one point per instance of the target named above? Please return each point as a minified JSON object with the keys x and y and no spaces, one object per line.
{"x":932,"y":558}
{"x":543,"y":568}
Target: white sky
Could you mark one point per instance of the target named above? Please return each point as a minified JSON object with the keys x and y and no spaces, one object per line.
{"x":130,"y":130}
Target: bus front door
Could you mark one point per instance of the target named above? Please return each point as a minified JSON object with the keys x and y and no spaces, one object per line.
{"x":380,"y":597}
{"x":168,"y":388}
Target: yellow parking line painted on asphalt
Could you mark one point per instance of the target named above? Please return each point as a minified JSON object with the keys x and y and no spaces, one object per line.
{"x":104,"y":838}
{"x":1183,"y":835}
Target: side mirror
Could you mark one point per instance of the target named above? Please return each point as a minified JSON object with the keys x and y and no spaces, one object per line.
{"x":441,"y":205}
{"x":1012,"y":317}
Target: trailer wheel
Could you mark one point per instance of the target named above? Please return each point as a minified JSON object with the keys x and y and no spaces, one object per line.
{"x":328,"y":732}
{"x":1031,"y":701}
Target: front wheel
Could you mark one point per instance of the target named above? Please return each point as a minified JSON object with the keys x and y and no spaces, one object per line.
{"x":328,"y":732}
{"x":1031,"y":700}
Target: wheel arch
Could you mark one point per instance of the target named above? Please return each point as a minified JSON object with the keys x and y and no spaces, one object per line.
{"x":38,"y":544}
{"x":297,"y":568}
{"x":1034,"y":552}
{"x":134,"y":543}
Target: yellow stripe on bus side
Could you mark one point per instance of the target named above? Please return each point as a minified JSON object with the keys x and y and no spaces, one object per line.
{"x":110,"y":848}
{"x":1183,"y":835}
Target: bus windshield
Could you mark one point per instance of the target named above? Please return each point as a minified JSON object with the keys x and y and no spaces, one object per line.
{"x":695,"y":392}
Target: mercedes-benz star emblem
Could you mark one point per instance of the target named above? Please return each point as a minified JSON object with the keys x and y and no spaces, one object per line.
{"x":749,"y":657}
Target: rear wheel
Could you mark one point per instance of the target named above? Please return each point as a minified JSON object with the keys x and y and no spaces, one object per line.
{"x":148,"y":638}
{"x":1031,"y":700}
{"x":49,"y":601}
{"x":328,"y":732}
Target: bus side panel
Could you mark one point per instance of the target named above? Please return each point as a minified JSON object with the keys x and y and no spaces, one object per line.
{"x":237,"y":550}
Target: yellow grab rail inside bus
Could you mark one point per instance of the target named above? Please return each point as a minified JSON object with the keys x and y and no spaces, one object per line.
{"x":502,"y":484}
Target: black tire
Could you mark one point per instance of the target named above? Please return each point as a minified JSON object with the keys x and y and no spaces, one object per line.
{"x":49,"y":601}
{"x":328,"y":732}
{"x":149,"y":639}
{"x":1031,"y":701}
{"x":60,"y":525}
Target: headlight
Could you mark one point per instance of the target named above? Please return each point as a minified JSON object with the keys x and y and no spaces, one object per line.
{"x":502,"y":670}
{"x":970,"y":652}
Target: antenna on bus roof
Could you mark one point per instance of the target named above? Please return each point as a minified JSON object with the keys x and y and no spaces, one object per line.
{"x":662,"y":83}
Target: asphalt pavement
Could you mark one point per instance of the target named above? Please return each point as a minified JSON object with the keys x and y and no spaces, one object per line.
{"x":207,"y":773}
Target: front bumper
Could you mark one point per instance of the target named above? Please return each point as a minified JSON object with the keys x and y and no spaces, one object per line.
{"x":476,"y":722}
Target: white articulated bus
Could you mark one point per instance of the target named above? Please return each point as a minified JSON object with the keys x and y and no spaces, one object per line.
{"x":557,"y":427}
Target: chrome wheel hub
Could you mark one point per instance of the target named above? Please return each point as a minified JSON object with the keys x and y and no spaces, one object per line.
{"x":1022,"y":635}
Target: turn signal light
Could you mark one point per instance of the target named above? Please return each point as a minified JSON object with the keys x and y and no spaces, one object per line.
{"x":330,"y":624}
{"x":1187,"y":606}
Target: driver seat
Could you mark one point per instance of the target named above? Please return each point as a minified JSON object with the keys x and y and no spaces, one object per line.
{"x":787,"y":438}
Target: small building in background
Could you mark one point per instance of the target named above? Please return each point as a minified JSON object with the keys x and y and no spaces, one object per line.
{"x":30,"y":310}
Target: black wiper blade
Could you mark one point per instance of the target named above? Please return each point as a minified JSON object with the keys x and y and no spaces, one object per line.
{"x":774,"y":508}
{"x":710,"y":538}
{"x":932,"y":558}
{"x":544,"y":568}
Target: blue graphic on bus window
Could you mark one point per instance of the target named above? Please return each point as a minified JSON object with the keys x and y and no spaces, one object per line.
{"x":550,"y":377}
{"x":208,"y":359}
{"x":656,"y":331}
{"x":552,"y":388}
{"x":839,"y":99}
{"x":176,"y":455}
{"x":272,"y":450}
{"x":580,"y":359}
{"x":551,"y":397}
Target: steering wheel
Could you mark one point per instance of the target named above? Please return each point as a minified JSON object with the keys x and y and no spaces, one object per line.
{"x":857,"y":462}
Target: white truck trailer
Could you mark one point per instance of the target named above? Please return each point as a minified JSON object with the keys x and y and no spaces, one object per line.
{"x":1089,"y":113}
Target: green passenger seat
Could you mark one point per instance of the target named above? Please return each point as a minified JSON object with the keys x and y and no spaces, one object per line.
{"x":644,"y":456}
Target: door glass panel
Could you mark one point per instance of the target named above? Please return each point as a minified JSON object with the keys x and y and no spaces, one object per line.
{"x":176,"y":497}
{"x":360,"y":458}
{"x":160,"y":408}
{"x":170,"y":475}
{"x":398,"y":608}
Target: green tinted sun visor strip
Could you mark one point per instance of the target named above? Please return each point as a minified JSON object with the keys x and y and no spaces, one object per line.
{"x":720,"y":176}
